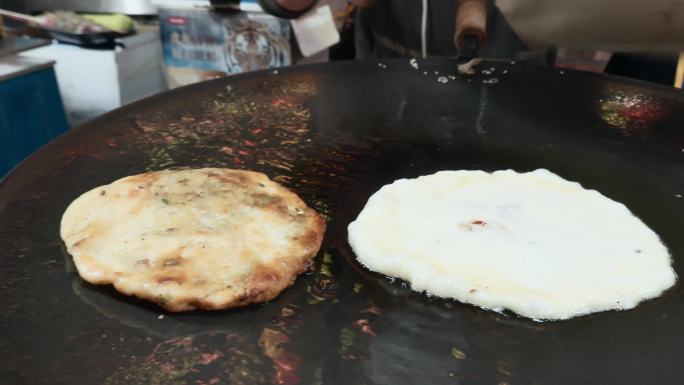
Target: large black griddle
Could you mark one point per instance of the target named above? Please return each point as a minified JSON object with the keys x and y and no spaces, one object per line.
{"x":335,"y":134}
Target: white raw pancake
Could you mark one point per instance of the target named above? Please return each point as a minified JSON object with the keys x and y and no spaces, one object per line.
{"x":534,"y":243}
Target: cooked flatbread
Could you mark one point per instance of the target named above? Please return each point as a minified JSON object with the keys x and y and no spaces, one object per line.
{"x":534,"y":243}
{"x":206,"y":238}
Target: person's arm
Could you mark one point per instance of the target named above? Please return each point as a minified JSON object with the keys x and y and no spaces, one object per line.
{"x":612,"y":25}
{"x":287,"y":9}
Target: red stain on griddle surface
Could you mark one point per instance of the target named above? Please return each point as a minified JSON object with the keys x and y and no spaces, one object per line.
{"x":280,"y":102}
{"x":373,"y":309}
{"x":285,"y":363}
{"x":630,"y":113}
{"x":286,"y":367}
{"x":642,"y":113}
{"x":208,"y":358}
{"x":365,"y":327}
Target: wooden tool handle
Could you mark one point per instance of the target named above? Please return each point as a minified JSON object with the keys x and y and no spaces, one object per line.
{"x":471,"y":20}
{"x":679,"y":72}
{"x":21,"y":17}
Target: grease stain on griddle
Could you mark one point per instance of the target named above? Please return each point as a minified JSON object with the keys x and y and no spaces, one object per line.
{"x":265,"y":129}
{"x":629,"y":113}
{"x":202,"y":360}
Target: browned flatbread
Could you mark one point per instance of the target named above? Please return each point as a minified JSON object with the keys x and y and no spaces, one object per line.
{"x":193,"y":239}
